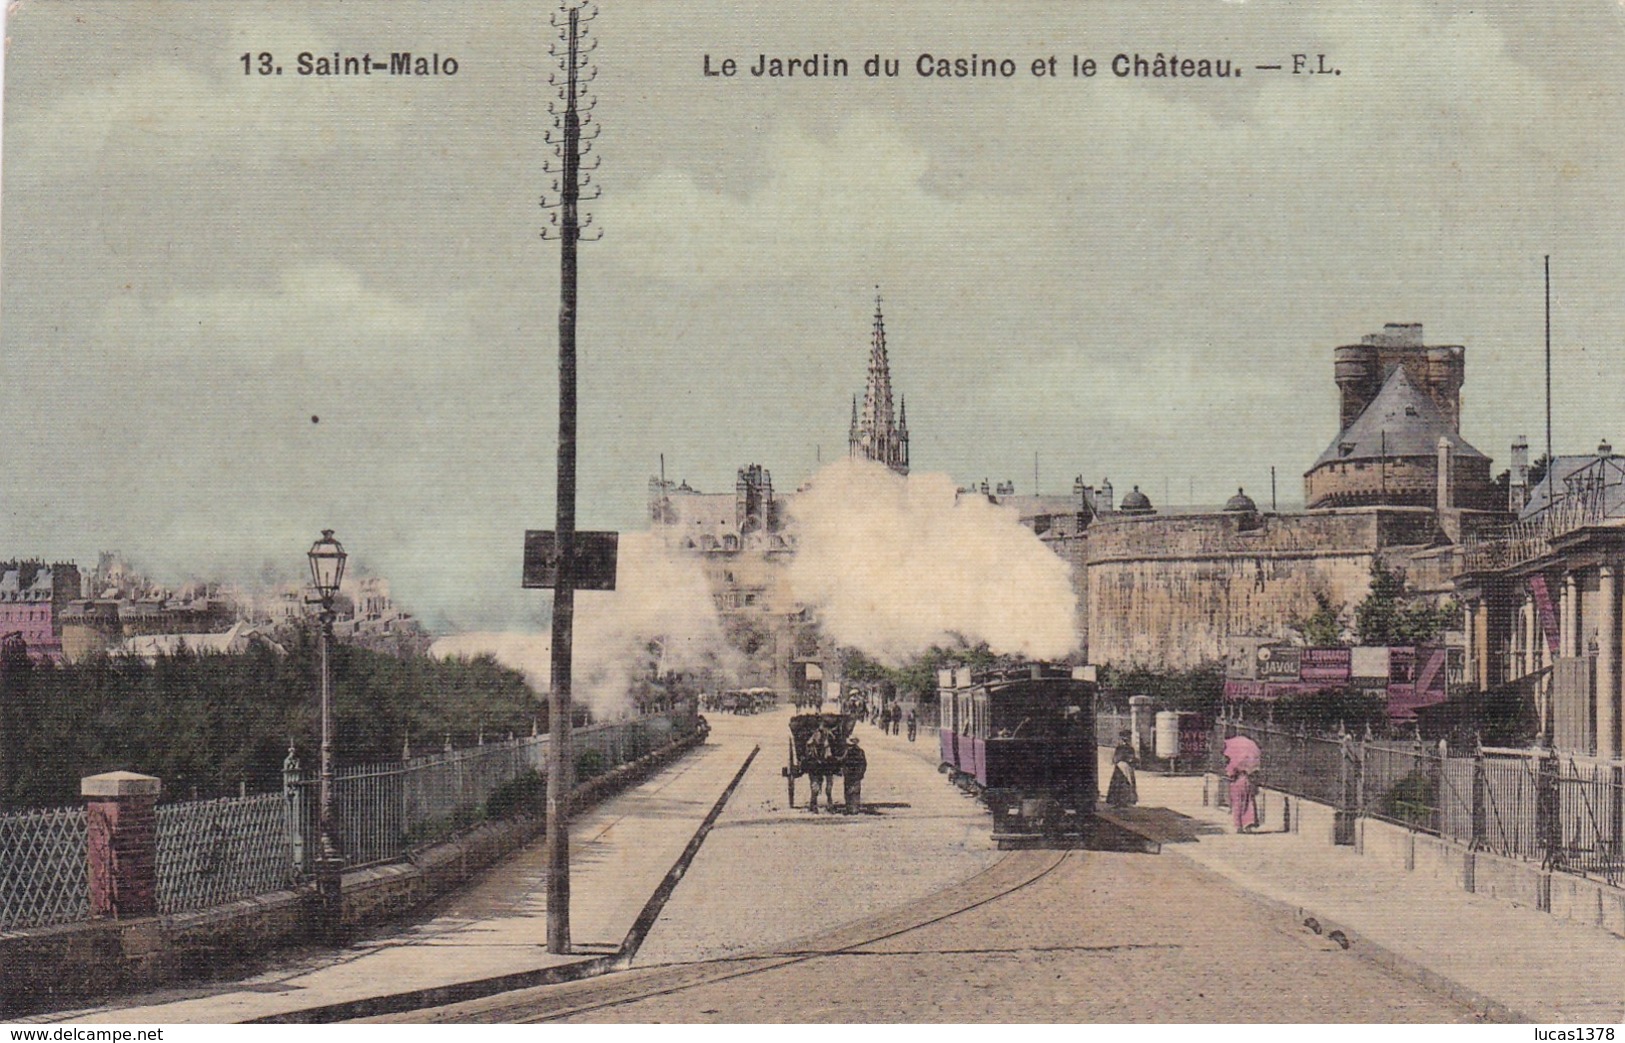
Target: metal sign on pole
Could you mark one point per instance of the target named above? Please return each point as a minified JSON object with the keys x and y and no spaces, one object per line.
{"x":592,"y":569}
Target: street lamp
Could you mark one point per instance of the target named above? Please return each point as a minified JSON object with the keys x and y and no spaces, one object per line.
{"x":326,"y":573}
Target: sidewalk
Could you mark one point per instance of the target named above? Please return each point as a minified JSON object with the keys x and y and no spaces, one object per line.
{"x":1519,"y":963}
{"x":620,"y":852}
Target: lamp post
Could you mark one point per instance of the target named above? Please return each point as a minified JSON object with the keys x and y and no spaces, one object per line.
{"x":326,"y":573}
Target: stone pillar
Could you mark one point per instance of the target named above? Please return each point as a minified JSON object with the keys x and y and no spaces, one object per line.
{"x":1607,"y":663}
{"x":1140,"y":723}
{"x":1470,"y":654}
{"x":1515,"y":643}
{"x":1532,"y":637}
{"x":1481,"y":639}
{"x":122,"y":825}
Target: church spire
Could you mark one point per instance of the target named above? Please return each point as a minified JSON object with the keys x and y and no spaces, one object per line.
{"x":876,"y":433}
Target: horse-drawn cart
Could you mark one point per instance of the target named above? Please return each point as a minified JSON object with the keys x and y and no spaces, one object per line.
{"x":817,"y":749}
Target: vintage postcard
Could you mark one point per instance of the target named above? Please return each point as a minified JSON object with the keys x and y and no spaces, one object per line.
{"x":766,"y":512}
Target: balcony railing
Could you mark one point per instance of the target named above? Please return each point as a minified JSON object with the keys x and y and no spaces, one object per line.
{"x":1585,"y":503}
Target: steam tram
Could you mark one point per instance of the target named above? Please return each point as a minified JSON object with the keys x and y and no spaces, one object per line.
{"x":1023,"y":738}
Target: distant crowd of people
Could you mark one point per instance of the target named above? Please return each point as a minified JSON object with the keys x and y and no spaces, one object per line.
{"x":890,"y":718}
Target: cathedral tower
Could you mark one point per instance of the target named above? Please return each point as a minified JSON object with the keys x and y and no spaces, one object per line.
{"x":878,"y":432}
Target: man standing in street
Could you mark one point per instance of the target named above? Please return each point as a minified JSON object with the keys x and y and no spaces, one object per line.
{"x":852,"y":770}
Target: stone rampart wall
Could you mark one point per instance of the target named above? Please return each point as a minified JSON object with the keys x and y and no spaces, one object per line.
{"x":1169,"y":592}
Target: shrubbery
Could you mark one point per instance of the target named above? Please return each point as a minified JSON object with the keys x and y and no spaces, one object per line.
{"x":1200,"y":689}
{"x":204,"y":723}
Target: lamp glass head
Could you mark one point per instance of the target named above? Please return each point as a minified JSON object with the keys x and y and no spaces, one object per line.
{"x":327,"y":564}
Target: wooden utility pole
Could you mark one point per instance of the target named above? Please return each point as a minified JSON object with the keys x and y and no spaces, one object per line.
{"x":572,"y":51}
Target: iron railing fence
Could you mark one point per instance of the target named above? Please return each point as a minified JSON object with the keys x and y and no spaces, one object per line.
{"x":1566,"y":812}
{"x":385,"y":811}
{"x":1314,"y":767}
{"x":44,"y":874}
{"x":1587,"y":801}
{"x":216,"y":851}
{"x":1505,"y":796}
{"x":1400,"y":783}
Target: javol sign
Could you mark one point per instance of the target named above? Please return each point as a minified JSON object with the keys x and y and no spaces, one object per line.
{"x":1278,"y":663}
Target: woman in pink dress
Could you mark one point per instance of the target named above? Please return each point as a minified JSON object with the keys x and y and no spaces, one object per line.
{"x":1242,"y":761}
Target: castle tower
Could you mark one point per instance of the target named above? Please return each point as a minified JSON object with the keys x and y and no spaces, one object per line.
{"x":876,"y":432}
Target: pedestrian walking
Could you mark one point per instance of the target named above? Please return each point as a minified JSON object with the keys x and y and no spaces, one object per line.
{"x":853,"y":768}
{"x":1124,"y":789}
{"x":1243,"y":760}
{"x":913,"y":725}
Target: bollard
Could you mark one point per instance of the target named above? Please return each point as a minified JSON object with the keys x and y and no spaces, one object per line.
{"x":122,"y":825}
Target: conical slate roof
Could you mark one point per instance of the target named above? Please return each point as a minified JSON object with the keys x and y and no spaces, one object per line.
{"x":1400,"y":421}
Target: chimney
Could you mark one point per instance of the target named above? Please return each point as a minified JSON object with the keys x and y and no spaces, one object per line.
{"x":1518,"y":482}
{"x":1446,"y":491}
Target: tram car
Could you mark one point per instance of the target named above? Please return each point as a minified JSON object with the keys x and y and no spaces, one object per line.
{"x":1023,"y":738}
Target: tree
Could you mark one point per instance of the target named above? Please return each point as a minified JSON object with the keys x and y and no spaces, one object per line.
{"x":16,"y":705}
{"x":1502,"y":487}
{"x":1199,"y":689}
{"x":1537,"y":470}
{"x":1323,"y":628}
{"x":206,"y":722}
{"x":1390,"y":615}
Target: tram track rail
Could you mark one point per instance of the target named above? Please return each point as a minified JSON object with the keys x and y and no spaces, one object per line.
{"x":1011,"y":874}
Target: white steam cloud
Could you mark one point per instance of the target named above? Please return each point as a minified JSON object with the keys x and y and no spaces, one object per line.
{"x":894,"y":565}
{"x":660,"y":596}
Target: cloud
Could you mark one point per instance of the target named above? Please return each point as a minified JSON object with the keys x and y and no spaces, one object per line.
{"x":854,"y":200}
{"x":318,"y":315}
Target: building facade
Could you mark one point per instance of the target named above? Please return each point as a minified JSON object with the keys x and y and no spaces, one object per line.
{"x":34,"y":597}
{"x":743,"y":547}
{"x":1542,"y":597}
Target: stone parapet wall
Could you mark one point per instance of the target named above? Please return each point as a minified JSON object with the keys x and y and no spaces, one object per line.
{"x":1173,"y":537}
{"x":1453,"y":865}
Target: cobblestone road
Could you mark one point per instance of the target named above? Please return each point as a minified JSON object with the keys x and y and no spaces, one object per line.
{"x":1102,"y":938}
{"x":777,"y":921}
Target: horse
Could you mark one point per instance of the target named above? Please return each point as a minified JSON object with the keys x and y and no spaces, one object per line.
{"x":822,"y":763}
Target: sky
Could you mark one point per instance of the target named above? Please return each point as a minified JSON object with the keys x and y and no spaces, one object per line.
{"x":236,"y":310}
